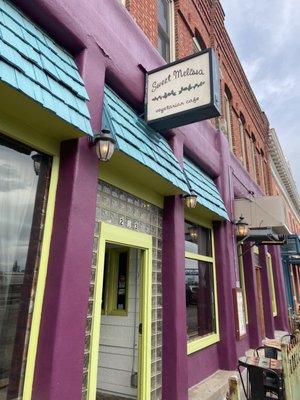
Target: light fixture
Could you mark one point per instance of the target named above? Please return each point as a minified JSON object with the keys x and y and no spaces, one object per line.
{"x":193,"y":232}
{"x":242,"y":228}
{"x":104,"y":144}
{"x":37,"y":158}
{"x":190,"y":199}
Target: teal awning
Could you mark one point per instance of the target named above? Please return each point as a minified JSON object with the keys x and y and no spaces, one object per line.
{"x":207,"y":191}
{"x":31,"y":62}
{"x":136,"y":139}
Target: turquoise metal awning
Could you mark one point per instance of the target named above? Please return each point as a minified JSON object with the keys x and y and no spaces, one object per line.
{"x":207,"y":191}
{"x":31,"y":62}
{"x":136,"y":139}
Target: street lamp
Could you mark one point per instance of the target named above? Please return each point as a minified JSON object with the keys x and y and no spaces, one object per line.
{"x":242,"y":228}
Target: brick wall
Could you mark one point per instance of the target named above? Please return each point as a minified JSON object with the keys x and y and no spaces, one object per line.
{"x":206,"y":18}
{"x":144,"y":13}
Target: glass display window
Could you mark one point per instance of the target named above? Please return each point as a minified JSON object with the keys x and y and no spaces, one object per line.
{"x":201,"y":288}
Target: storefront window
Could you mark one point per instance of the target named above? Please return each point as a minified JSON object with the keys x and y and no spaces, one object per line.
{"x":24,"y":179}
{"x":242,"y":277}
{"x":200,"y":305}
{"x":200,"y":284}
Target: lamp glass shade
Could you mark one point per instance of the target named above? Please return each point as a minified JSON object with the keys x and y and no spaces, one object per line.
{"x":242,"y":229}
{"x":190,"y":200}
{"x":105,"y":146}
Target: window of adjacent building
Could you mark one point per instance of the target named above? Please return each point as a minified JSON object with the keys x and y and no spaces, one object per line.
{"x":200,"y":285}
{"x":253,"y":155}
{"x":271,"y":283}
{"x":262,"y":169}
{"x":115,"y":282}
{"x":24,"y":182}
{"x":228,"y":115}
{"x":164,"y":28}
{"x":242,"y":140}
{"x":242,"y":278}
{"x":199,"y":44}
{"x":258,"y":166}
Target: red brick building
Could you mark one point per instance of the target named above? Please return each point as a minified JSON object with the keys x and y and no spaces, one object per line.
{"x":179,"y":28}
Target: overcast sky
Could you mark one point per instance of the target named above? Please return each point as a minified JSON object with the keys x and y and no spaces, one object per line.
{"x":266,"y":36}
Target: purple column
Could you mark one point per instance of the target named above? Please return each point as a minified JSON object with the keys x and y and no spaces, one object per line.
{"x":175,"y":379}
{"x":281,"y":321}
{"x":225,"y":265}
{"x":59,"y":363}
{"x":175,"y":368}
{"x":225,"y":276}
{"x":266,"y":293}
{"x":252,"y":301}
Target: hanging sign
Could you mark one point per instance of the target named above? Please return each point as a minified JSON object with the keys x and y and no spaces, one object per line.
{"x":183,"y":92}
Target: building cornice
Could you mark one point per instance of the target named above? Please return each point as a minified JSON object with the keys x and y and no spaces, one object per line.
{"x":283,"y":169}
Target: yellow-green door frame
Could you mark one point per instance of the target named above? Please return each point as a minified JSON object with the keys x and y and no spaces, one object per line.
{"x":125,"y":237}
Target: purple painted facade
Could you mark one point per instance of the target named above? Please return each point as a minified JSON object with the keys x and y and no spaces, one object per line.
{"x":94,"y":33}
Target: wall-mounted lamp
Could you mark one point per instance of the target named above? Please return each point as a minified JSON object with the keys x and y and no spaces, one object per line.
{"x":242,"y":228}
{"x":190,"y":200}
{"x":37,"y":158}
{"x":104,"y":144}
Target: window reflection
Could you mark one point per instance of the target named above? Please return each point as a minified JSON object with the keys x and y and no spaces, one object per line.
{"x":200,"y":305}
{"x":198,"y":239}
{"x":22,"y":203}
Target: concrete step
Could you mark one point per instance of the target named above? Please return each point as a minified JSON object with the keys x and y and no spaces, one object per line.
{"x":212,"y":388}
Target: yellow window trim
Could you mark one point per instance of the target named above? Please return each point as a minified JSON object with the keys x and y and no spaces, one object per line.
{"x":199,"y":257}
{"x":40,"y":288}
{"x":122,"y":236}
{"x":202,"y":343}
{"x":205,"y":341}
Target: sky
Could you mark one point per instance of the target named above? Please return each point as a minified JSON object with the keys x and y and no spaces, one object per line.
{"x":266,"y":37}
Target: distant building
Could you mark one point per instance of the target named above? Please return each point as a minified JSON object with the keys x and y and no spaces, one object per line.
{"x":283,"y":184}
